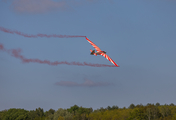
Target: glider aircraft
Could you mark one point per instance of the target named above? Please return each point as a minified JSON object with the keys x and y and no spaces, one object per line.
{"x":100,"y":52}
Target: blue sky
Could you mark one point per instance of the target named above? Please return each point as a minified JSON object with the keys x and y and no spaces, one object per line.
{"x":139,"y":35}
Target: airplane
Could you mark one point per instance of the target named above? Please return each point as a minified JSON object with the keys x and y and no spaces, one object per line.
{"x":100,"y":52}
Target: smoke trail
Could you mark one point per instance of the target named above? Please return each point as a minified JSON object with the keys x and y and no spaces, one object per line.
{"x":16,"y":53}
{"x":38,"y":35}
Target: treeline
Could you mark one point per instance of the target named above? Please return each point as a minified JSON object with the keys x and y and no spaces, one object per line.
{"x":133,"y":112}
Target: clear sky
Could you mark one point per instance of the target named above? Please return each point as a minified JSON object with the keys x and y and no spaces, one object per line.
{"x":139,"y":35}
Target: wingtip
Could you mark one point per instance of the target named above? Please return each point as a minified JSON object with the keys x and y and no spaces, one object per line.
{"x":117,"y":65}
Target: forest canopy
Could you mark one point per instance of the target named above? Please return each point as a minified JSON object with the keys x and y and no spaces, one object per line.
{"x":133,"y":112}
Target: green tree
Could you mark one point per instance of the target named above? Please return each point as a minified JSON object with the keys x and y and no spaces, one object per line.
{"x":157,"y":104}
{"x":2,"y":113}
{"x":152,"y":112}
{"x":165,"y":111}
{"x":39,"y":112}
{"x":15,"y":114}
{"x":172,"y":104}
{"x":114,"y":107}
{"x":49,"y":114}
{"x":137,"y":114}
{"x":174,"y":117}
{"x":108,"y":108}
{"x":73,"y":109}
{"x":132,"y":106}
{"x":63,"y":113}
{"x":139,"y":106}
{"x":36,"y":114}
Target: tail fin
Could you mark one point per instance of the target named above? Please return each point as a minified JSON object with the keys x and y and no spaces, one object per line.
{"x":93,"y":52}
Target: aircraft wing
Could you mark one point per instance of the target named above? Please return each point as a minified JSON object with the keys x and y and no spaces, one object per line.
{"x":107,"y":57}
{"x":96,"y":47}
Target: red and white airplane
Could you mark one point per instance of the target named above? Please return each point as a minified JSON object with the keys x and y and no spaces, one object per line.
{"x":99,"y":52}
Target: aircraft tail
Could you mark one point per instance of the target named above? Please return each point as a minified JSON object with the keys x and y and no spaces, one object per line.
{"x":93,"y":52}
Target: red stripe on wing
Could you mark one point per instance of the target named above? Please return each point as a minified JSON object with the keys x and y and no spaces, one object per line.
{"x":96,"y":47}
{"x":107,"y":57}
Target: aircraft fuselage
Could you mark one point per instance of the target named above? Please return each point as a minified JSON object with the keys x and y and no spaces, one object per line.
{"x":98,"y":53}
